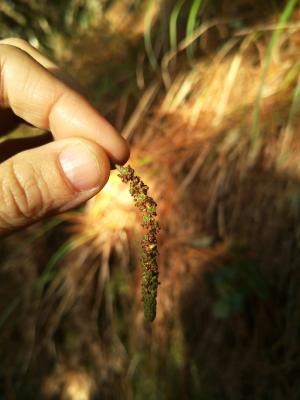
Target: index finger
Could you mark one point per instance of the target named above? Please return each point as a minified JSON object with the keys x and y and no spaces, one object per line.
{"x":37,"y":96}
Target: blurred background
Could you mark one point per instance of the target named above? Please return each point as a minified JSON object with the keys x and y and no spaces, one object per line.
{"x":207,"y":92}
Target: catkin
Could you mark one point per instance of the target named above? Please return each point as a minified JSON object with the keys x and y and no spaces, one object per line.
{"x":150,"y":272}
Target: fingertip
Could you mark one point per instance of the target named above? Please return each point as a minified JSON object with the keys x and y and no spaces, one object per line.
{"x":73,"y":116}
{"x":124,"y":151}
{"x":113,"y":143}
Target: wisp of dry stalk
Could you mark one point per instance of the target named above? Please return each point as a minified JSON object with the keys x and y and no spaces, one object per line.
{"x":150,"y":272}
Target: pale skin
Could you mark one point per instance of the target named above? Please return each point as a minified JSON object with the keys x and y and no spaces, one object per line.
{"x":38,"y":178}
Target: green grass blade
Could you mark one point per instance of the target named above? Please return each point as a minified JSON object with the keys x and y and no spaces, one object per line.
{"x":46,"y":227}
{"x":191,"y":24}
{"x":295,"y":107}
{"x":286,"y":14}
{"x":148,"y":36}
{"x":173,"y":24}
{"x":8,"y":311}
{"x":65,"y":248}
{"x":48,"y":274}
{"x":291,"y":76}
{"x":289,"y":130}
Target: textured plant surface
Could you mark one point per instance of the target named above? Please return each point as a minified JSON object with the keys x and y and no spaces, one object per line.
{"x":145,"y":203}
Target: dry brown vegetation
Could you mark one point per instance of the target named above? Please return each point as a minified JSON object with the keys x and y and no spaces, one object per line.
{"x":215,"y":137}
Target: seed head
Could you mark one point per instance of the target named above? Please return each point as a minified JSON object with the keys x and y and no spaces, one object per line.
{"x":150,"y":272}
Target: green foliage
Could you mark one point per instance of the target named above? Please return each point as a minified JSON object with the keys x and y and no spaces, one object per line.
{"x":173,"y":25}
{"x":51,"y":271}
{"x":192,"y":22}
{"x":284,"y":17}
{"x":295,"y":106}
{"x":148,"y":34}
{"x":235,"y":284}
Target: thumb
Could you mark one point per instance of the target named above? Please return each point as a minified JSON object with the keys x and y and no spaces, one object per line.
{"x":50,"y":179}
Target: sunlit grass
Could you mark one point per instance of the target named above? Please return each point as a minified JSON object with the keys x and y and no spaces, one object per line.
{"x":284,"y":17}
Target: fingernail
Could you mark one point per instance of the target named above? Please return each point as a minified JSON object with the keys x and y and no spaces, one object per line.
{"x":81,"y":167}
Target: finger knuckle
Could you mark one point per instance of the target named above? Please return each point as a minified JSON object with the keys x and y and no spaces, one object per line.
{"x":15,"y":41}
{"x":23,"y":191}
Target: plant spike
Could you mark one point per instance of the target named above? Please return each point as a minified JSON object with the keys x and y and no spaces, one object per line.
{"x":145,"y":203}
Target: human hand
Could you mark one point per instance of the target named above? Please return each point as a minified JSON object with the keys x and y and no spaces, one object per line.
{"x":39,"y":181}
